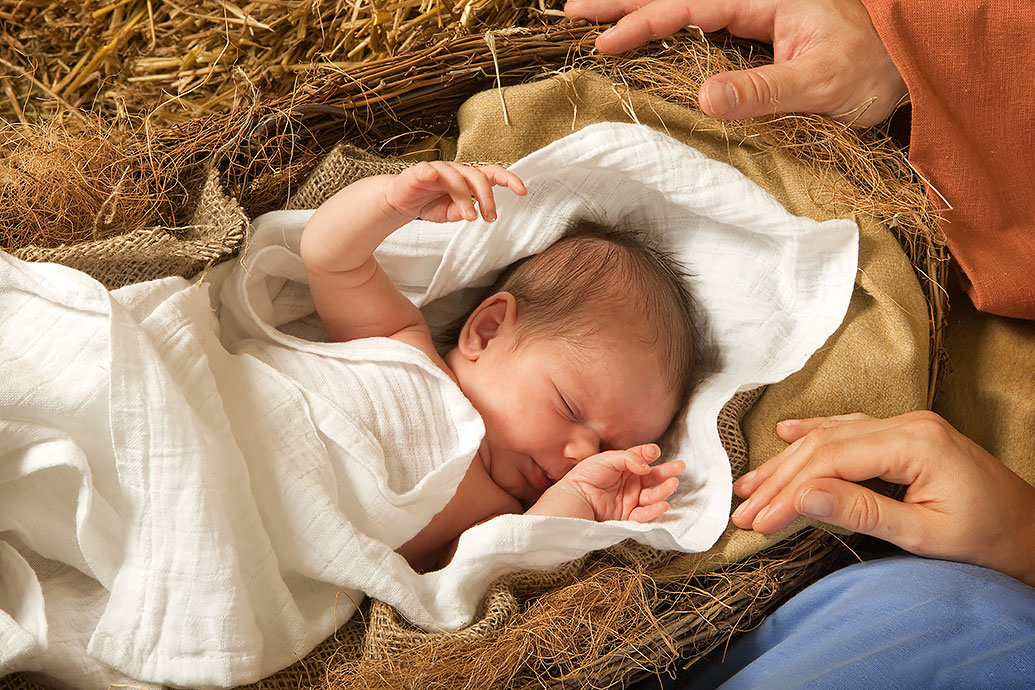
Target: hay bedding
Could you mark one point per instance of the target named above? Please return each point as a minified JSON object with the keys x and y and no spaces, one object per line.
{"x":629,"y":609}
{"x":174,"y":60}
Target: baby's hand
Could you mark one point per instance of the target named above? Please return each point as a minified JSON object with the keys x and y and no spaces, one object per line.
{"x":614,"y":485}
{"x":441,"y":191}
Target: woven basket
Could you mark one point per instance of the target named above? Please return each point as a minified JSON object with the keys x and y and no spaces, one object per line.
{"x":385,"y":107}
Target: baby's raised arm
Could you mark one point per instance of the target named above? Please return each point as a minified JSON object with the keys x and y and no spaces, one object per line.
{"x":613,"y":485}
{"x":353,"y":296}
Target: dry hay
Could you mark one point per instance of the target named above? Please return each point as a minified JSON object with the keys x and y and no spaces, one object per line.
{"x":175,"y":60}
{"x":67,"y":184}
{"x":624,"y":617}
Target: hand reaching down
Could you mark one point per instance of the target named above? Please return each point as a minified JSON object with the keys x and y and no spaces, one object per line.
{"x":441,"y":191}
{"x":828,"y":58}
{"x":614,"y":485}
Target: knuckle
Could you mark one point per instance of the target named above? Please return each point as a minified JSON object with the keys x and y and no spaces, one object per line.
{"x":819,"y":438}
{"x":927,"y":426}
{"x":862,"y":514}
{"x":821,"y":448}
{"x":915,"y":541}
{"x":762,"y":89}
{"x":655,"y":27}
{"x":811,"y":443}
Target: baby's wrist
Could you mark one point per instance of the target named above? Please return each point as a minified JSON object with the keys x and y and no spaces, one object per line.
{"x":563,"y":499}
{"x":391,"y":212}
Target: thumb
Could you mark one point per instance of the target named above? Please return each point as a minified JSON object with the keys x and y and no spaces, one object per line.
{"x":858,"y":509}
{"x":648,"y":451}
{"x":777,"y":88}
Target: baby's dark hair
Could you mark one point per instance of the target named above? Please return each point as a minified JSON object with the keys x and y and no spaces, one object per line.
{"x":595,"y":272}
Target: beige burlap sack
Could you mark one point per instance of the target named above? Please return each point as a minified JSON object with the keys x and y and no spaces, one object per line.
{"x":988,"y":392}
{"x":217,"y":228}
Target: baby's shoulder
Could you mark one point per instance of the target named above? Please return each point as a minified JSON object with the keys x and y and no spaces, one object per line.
{"x":419,"y":336}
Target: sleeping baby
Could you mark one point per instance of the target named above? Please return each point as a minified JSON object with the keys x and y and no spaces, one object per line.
{"x":577,"y":361}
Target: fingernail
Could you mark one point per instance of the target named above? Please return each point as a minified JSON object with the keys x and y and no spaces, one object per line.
{"x":761,"y":514}
{"x":816,"y":503}
{"x":652,"y":451}
{"x":745,"y":478}
{"x":739,"y":510}
{"x":722,"y":99}
{"x":789,"y":422}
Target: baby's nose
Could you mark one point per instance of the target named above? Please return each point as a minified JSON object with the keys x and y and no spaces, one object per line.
{"x":581,"y":444}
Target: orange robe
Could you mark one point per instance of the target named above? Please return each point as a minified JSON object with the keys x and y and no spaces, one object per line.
{"x":970,"y":71}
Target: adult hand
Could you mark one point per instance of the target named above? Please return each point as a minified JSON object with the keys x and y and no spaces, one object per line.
{"x":961,"y":503}
{"x":828,"y":58}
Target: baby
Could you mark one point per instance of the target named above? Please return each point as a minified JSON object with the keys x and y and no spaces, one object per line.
{"x":577,"y":361}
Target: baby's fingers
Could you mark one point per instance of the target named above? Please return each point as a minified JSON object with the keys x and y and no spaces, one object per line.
{"x":665,"y":470}
{"x":639,"y":458}
{"x":648,"y":451}
{"x":648,"y":513}
{"x":659,"y":492}
{"x":458,"y":187}
{"x":480,"y":186}
{"x":480,"y":182}
{"x":502,"y":177}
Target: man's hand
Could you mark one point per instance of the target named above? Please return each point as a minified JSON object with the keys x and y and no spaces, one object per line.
{"x":828,"y":58}
{"x":443,"y":192}
{"x":614,"y":485}
{"x":962,"y":504}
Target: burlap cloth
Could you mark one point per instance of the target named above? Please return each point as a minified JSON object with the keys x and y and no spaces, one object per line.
{"x":217,"y":228}
{"x":877,"y":362}
{"x":988,"y":391}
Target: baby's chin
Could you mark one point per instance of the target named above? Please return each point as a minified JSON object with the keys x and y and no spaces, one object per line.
{"x":524,"y":493}
{"x":513,"y":481}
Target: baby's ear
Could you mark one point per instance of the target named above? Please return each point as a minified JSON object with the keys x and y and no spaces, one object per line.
{"x":492,"y":320}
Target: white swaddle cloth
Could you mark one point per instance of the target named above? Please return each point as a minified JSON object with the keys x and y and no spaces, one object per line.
{"x":240,"y":484}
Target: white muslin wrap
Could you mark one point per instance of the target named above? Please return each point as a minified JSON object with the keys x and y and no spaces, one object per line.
{"x":194,"y":488}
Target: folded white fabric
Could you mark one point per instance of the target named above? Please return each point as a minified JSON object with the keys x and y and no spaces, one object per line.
{"x":185,"y":493}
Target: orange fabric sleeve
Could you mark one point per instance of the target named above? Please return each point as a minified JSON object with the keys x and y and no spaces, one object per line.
{"x":970,"y":70}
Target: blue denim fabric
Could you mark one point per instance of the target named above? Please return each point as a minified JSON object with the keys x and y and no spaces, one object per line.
{"x":898,"y":622}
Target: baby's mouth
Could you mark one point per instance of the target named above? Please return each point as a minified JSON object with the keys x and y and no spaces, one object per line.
{"x":537,"y":476}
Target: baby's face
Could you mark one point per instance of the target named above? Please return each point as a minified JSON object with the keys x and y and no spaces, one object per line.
{"x":548,"y":404}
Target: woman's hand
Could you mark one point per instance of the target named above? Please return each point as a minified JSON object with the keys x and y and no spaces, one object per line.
{"x":614,"y":485}
{"x":828,"y":58}
{"x":961,"y":503}
{"x":441,"y":191}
